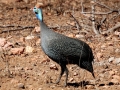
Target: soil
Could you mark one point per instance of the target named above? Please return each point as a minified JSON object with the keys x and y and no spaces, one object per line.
{"x":34,"y":70}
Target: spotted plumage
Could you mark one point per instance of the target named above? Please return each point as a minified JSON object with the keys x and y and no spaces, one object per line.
{"x":64,"y":50}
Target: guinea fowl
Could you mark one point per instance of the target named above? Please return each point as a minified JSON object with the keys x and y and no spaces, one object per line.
{"x":64,"y":50}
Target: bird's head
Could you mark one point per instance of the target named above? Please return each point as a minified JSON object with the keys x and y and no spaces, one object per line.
{"x":38,"y":13}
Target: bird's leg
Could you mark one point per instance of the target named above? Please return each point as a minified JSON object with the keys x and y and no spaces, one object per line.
{"x":66,"y":71}
{"x":93,"y":74}
{"x":63,"y":69}
{"x":61,"y":73}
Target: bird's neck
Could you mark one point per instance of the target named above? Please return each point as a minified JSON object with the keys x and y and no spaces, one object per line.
{"x":40,"y":15}
{"x":45,"y":31}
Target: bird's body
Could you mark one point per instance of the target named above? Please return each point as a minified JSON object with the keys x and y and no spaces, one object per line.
{"x":64,"y":50}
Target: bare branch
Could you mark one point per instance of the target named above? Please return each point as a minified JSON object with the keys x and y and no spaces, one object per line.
{"x":93,"y":20}
{"x":103,"y":20}
{"x":103,"y":5}
{"x":93,"y":13}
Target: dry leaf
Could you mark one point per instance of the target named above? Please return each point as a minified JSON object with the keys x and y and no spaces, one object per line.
{"x":16,"y":51}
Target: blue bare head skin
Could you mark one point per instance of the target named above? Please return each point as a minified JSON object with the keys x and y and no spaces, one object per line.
{"x":38,"y":13}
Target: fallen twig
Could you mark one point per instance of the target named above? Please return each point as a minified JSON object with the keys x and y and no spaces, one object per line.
{"x":101,"y":13}
{"x":6,"y":26}
{"x":77,"y":23}
{"x":17,"y":28}
{"x":111,"y":29}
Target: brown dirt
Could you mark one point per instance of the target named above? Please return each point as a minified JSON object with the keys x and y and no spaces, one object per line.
{"x":32,"y":71}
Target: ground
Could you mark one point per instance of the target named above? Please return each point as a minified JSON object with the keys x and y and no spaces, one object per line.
{"x":33,"y":70}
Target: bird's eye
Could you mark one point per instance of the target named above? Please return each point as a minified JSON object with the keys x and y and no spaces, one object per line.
{"x":34,"y":7}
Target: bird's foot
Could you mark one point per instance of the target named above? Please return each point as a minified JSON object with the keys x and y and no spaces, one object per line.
{"x":65,"y":85}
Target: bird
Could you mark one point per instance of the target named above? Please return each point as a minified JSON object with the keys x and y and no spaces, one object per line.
{"x":64,"y":50}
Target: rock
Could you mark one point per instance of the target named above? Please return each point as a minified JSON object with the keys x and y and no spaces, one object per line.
{"x":111,"y":59}
{"x":79,"y":36}
{"x":117,"y":33}
{"x":16,"y":51}
{"x":29,"y":37}
{"x":116,"y":61}
{"x":29,"y":49}
{"x":70,"y":35}
{"x":21,"y":85}
{"x":3,"y":41}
